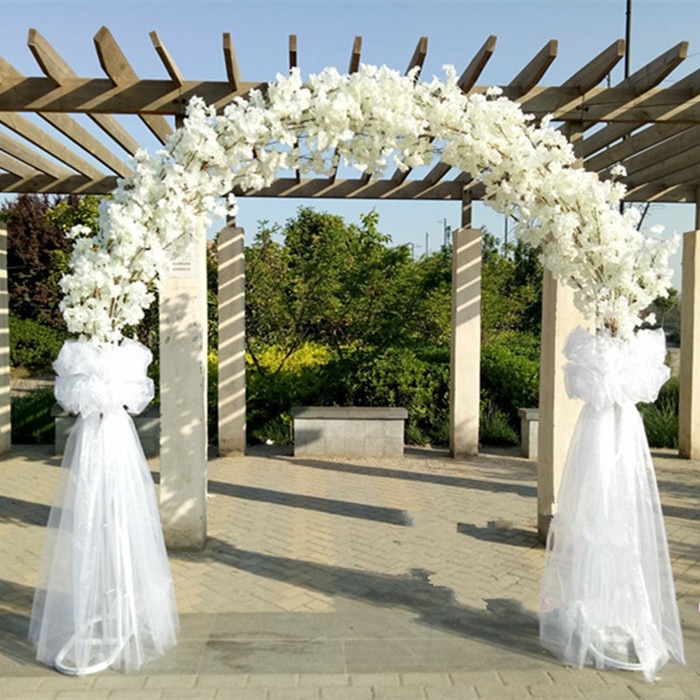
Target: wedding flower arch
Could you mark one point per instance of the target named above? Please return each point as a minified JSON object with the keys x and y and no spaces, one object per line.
{"x":607,"y":587}
{"x":366,"y":120}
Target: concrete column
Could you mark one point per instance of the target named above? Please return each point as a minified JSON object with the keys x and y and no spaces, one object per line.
{"x":183,"y":390}
{"x":5,"y":422}
{"x":232,"y":396}
{"x":465,"y":362}
{"x":689,"y":398}
{"x":558,"y":413}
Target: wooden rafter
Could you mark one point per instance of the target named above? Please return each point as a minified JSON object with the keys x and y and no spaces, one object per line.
{"x":652,"y":130}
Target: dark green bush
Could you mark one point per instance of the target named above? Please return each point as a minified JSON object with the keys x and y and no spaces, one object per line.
{"x":417,"y":379}
{"x":33,"y":345}
{"x":661,"y":417}
{"x":510,"y":374}
{"x":32,"y":422}
{"x":495,"y":428}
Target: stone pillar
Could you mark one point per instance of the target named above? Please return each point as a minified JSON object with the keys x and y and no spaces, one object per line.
{"x":183,"y":391}
{"x":689,"y":398}
{"x":465,"y":362}
{"x":558,"y":413}
{"x":5,"y":422}
{"x":232,"y":396}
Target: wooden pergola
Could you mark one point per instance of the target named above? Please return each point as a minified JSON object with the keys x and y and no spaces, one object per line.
{"x":47,"y":145}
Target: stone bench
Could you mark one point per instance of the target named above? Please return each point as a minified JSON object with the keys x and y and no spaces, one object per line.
{"x":147,"y":426}
{"x":355,"y":431}
{"x":529,"y":431}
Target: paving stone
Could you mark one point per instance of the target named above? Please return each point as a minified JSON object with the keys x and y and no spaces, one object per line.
{"x":320,"y":558}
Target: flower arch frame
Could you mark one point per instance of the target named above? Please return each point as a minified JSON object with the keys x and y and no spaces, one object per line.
{"x":607,"y":589}
{"x":366,"y":120}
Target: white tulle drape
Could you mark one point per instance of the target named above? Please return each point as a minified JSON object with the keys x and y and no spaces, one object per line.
{"x":608,"y":596}
{"x":105,"y":596}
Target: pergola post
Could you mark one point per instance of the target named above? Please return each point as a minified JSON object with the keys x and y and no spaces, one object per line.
{"x":232,"y":379}
{"x":558,"y":412}
{"x":5,"y":415}
{"x":183,"y":395}
{"x":689,"y":396}
{"x":465,"y":360}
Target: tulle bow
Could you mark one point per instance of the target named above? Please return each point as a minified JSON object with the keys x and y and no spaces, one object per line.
{"x":102,"y":377}
{"x":604,"y":371}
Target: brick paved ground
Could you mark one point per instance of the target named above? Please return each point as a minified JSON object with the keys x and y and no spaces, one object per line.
{"x":334,"y":579}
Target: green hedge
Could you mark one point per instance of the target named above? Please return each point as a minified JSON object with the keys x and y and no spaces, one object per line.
{"x":33,"y":345}
{"x":661,"y":417}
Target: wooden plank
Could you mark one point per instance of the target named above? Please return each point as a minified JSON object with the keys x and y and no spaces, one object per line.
{"x":355,"y":55}
{"x":595,"y":70}
{"x":167,"y":59}
{"x":663,"y":158}
{"x":101,"y":96}
{"x":117,"y":67}
{"x":532,"y":73}
{"x":353,"y":188}
{"x":416,"y":61}
{"x":644,"y":79}
{"x":45,"y":184}
{"x":633,"y":143}
{"x":293,"y":55}
{"x":58,"y":70}
{"x":418,"y":58}
{"x":523,"y":82}
{"x":476,"y":66}
{"x":32,"y":133}
{"x":676,"y":171}
{"x":16,"y":167}
{"x":74,"y":131}
{"x":612,"y":132}
{"x":233,"y":72}
{"x":33,"y":159}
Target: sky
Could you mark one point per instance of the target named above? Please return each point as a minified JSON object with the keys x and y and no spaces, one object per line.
{"x":390,"y":29}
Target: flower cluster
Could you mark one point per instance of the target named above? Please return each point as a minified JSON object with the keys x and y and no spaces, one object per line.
{"x":370,"y":120}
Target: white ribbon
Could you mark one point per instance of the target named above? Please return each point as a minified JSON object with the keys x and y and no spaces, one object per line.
{"x":607,"y":595}
{"x":105,"y":596}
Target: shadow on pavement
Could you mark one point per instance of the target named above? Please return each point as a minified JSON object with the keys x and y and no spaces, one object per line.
{"x":505,"y":623}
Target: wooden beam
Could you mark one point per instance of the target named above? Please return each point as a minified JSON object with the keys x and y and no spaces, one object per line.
{"x":476,"y":66}
{"x":523,"y":82}
{"x":643,"y":80}
{"x":355,"y":55}
{"x":167,"y":59}
{"x":16,"y":167}
{"x":32,"y":158}
{"x":595,"y":70}
{"x":532,"y":73}
{"x":71,"y":129}
{"x":663,"y":158}
{"x":119,"y":70}
{"x":418,"y":58}
{"x":58,"y":70}
{"x":32,"y":133}
{"x":293,"y":55}
{"x":45,"y":184}
{"x":416,"y":61}
{"x":101,"y":96}
{"x":233,"y":73}
{"x":612,"y":132}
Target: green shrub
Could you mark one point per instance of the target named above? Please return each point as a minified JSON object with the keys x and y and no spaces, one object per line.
{"x":32,"y":422}
{"x":33,"y":345}
{"x":415,"y":378}
{"x":661,"y":417}
{"x":495,"y":427}
{"x":510,"y":374}
{"x":276,"y":383}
